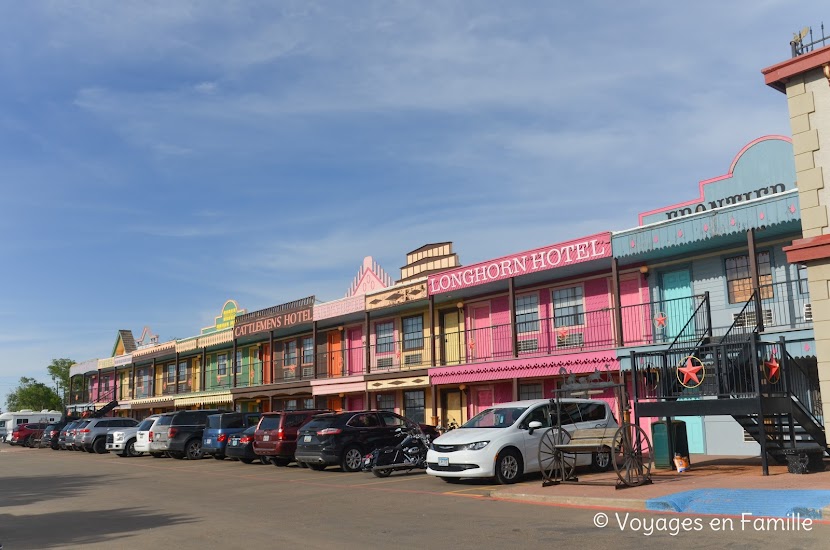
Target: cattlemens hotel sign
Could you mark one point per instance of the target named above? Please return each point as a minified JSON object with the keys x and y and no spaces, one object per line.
{"x":541,"y":259}
{"x":283,"y":316}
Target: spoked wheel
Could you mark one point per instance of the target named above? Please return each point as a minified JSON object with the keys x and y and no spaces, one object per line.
{"x":551,"y":461}
{"x":633,"y":456}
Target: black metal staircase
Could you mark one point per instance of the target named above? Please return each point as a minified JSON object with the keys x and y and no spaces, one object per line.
{"x":768,"y":392}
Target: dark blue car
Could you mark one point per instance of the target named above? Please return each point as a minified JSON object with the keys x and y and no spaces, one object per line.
{"x":220,"y":427}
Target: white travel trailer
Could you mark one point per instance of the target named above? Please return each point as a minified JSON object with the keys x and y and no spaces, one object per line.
{"x":9,"y":420}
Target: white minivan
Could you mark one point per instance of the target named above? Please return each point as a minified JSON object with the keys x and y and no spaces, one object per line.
{"x":499,"y":441}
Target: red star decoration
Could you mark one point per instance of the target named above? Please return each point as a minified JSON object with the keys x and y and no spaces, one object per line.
{"x":690,"y":372}
{"x":661,"y":321}
{"x":773,"y":367}
{"x":563,"y":333}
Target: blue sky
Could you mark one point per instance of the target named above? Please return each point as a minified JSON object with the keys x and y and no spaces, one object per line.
{"x":159,"y":158}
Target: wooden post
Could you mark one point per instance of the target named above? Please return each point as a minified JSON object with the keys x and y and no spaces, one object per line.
{"x":514,"y":332}
{"x":433,"y":330}
{"x":615,"y":289}
{"x":753,"y":271}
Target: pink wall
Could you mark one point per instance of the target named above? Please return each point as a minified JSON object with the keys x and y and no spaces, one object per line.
{"x":599,"y":327}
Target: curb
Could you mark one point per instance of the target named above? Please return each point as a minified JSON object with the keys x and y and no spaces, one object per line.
{"x":565,"y":500}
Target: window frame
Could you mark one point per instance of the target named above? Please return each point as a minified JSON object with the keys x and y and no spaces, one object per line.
{"x":170,"y":376}
{"x":221,"y":364}
{"x":765,"y":280}
{"x":307,"y":359}
{"x":388,"y":347}
{"x":412,"y":340}
{"x":289,"y":358}
{"x":528,"y":321}
{"x":579,"y":314}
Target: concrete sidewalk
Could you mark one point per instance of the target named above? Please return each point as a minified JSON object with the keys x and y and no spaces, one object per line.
{"x":713,"y":485}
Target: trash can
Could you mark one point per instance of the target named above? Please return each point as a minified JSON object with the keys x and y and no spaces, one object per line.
{"x":659,"y":439}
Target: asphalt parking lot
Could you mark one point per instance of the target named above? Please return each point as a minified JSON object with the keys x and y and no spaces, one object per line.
{"x":51,"y":499}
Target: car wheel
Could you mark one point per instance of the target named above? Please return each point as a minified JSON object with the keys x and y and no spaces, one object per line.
{"x":508,"y":467}
{"x":265,"y":459}
{"x":157,"y":455}
{"x":131,"y":449}
{"x":317,"y":467}
{"x":282,"y":462}
{"x":99,"y":446}
{"x":219,"y":457}
{"x":382,"y":473}
{"x":601,"y":461}
{"x":193,"y":449}
{"x":247,"y":460}
{"x":30,"y":442}
{"x":352,"y":459}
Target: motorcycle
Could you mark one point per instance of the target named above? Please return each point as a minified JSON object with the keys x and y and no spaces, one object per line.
{"x":409,"y":454}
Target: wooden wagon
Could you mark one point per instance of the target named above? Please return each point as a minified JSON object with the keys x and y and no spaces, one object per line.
{"x":626,"y":446}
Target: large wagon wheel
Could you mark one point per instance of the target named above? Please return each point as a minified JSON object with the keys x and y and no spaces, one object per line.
{"x":633,"y":456}
{"x":550,"y":458}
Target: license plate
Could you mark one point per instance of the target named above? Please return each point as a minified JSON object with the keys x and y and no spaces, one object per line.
{"x":443,"y":461}
{"x":234,"y":442}
{"x":266,"y":438}
{"x":307,"y":438}
{"x":207,"y":441}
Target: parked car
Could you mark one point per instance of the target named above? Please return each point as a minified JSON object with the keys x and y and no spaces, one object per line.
{"x":93,"y":436}
{"x":241,"y":446}
{"x":73,"y":437}
{"x":179,"y":434}
{"x":220,"y":427}
{"x":27,"y":435}
{"x":62,"y":438}
{"x":344,"y":438}
{"x":276,"y":434}
{"x":143,"y":437}
{"x":122,"y":441}
{"x":49,"y":437}
{"x":500,"y":442}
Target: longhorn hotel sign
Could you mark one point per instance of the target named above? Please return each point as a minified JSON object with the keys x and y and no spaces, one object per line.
{"x":550,"y":257}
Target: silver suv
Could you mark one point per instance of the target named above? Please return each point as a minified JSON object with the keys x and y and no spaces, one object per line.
{"x":93,"y":437}
{"x":123,"y":440}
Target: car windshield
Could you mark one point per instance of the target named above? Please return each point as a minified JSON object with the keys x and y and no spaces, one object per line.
{"x":249,"y":431}
{"x":320,"y":423}
{"x":271,"y":422}
{"x":146,"y":424}
{"x":495,"y":418}
{"x":165,"y":420}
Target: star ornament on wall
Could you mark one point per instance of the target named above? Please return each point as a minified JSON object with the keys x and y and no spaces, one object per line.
{"x":660,"y":319}
{"x":693,"y":372}
{"x":772,"y":370}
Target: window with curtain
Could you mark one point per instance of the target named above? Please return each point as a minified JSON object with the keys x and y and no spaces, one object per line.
{"x":739,"y":277}
{"x":221,"y":364}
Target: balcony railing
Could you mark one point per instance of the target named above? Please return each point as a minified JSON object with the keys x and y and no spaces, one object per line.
{"x":682,"y":321}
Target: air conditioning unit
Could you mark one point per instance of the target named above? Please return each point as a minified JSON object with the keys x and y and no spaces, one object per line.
{"x":308,"y":372}
{"x":412,"y":359}
{"x":747,"y":318}
{"x":529,"y":345}
{"x":808,"y":313}
{"x":384,"y":362}
{"x":572,"y":340}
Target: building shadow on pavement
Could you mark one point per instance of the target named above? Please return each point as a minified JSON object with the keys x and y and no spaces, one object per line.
{"x":121,"y":527}
{"x":20,"y":491}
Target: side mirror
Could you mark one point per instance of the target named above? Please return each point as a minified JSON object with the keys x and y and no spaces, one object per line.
{"x":535,"y":425}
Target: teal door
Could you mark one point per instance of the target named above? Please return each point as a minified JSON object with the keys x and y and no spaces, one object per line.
{"x":677,"y":306}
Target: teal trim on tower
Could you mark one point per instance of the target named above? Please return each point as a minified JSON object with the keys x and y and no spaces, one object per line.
{"x":772,"y":216}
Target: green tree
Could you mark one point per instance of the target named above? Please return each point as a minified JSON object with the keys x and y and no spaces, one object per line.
{"x":59,"y":371}
{"x":31,"y":394}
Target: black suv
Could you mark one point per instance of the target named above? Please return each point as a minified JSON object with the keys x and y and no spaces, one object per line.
{"x":51,"y":434}
{"x":179,"y":434}
{"x":344,"y":438}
